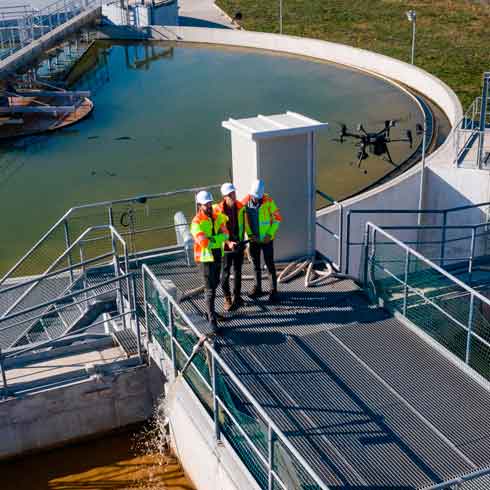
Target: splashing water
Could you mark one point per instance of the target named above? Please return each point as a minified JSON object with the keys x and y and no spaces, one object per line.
{"x":153,"y":441}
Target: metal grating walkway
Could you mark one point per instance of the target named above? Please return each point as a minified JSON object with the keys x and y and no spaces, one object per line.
{"x":368,"y":403}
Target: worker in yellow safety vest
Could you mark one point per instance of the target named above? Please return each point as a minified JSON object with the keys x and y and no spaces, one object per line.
{"x":234,"y":247}
{"x":210,"y":233}
{"x":261,"y":225}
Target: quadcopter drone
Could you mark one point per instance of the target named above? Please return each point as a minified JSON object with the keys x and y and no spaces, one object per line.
{"x":375,"y":143}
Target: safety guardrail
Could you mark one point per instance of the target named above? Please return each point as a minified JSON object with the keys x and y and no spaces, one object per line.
{"x":459,"y":483}
{"x":262,"y":446}
{"x":22,"y":25}
{"x":444,"y":219}
{"x":145,"y":222}
{"x":468,"y":246}
{"x":441,"y":305}
{"x":57,"y":331}
{"x":468,"y":134}
{"x":336,"y":235}
{"x":29,"y":304}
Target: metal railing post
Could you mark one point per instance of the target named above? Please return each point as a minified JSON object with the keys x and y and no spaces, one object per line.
{"x":136,"y":319}
{"x":111,"y":216}
{"x":483,"y":117}
{"x":68,"y":245}
{"x":443,"y":237}
{"x":117,"y":274}
{"x":270,"y":457}
{"x":347,"y":244}
{"x":2,"y":371}
{"x":366,"y":255}
{"x":405,"y":286}
{"x":470,"y":327}
{"x":472,"y":255}
{"x":214,"y":382}
{"x":145,"y":305}
{"x":171,"y":326}
{"x":341,"y":231}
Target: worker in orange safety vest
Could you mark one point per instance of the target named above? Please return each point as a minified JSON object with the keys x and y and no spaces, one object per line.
{"x":210,"y":233}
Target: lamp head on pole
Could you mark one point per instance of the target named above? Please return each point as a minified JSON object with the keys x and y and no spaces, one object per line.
{"x":411,"y":15}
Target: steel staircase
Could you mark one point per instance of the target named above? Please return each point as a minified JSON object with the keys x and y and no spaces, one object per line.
{"x":66,"y":297}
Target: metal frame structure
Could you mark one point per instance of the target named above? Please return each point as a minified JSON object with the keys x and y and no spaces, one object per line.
{"x":445,"y":213}
{"x":20,"y":316}
{"x":21,"y":25}
{"x":338,"y":235}
{"x":470,"y":131}
{"x":97,"y":214}
{"x":370,"y":262}
{"x":410,"y":255}
{"x":216,"y":362}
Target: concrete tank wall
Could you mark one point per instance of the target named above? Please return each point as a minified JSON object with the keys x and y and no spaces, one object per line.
{"x":401,"y":192}
{"x":70,"y":413}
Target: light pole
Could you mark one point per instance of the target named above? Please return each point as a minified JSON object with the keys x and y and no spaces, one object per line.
{"x":412,"y":17}
{"x":280,"y":16}
{"x":422,"y":172}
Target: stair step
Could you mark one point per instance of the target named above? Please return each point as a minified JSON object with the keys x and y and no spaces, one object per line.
{"x":126,"y":339}
{"x":70,"y":315}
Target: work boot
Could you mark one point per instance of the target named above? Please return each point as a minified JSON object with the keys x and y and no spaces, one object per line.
{"x":228,"y":303}
{"x":213,"y":327}
{"x":256,"y":292}
{"x":237,"y":302}
{"x":273,"y":296}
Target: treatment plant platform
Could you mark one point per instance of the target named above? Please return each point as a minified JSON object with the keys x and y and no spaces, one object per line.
{"x":376,"y":379}
{"x":367,"y":401}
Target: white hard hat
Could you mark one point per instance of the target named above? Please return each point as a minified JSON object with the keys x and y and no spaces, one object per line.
{"x":257,"y":189}
{"x":227,"y":188}
{"x":203,"y":197}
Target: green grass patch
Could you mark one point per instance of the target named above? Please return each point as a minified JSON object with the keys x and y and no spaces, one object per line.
{"x":452,"y":36}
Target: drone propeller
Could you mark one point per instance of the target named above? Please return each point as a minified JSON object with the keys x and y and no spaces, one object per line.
{"x":396,"y":121}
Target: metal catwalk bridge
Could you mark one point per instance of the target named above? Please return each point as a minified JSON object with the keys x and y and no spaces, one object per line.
{"x":365,"y":400}
{"x":324,"y":390}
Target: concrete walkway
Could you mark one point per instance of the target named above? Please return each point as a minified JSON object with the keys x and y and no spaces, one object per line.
{"x":203,"y":13}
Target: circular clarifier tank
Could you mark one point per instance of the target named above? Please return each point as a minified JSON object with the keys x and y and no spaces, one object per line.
{"x":157,"y":127}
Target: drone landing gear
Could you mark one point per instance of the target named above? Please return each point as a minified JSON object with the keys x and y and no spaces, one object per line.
{"x":306,"y":265}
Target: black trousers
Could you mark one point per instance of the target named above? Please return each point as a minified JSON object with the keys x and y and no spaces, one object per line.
{"x":211,"y":274}
{"x":267,"y":250}
{"x":235,"y":260}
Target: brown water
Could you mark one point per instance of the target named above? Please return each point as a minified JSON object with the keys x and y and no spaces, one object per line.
{"x":114,"y":462}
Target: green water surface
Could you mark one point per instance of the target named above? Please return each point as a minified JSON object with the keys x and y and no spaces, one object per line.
{"x":157,"y":127}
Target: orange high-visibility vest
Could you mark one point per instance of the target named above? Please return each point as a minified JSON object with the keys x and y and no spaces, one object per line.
{"x":205,"y":237}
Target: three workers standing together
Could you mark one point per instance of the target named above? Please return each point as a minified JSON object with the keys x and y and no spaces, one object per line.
{"x":221,"y":232}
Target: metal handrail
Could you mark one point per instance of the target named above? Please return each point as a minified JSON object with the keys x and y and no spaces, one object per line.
{"x":471,"y":292}
{"x":215,"y":357}
{"x":8,"y":355}
{"x":444,"y":212}
{"x":66,"y":253}
{"x":340,"y":226}
{"x":58,"y":300}
{"x":82,"y":263}
{"x":457,"y":482}
{"x":114,"y":236}
{"x":431,"y":264}
{"x":62,"y":222}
